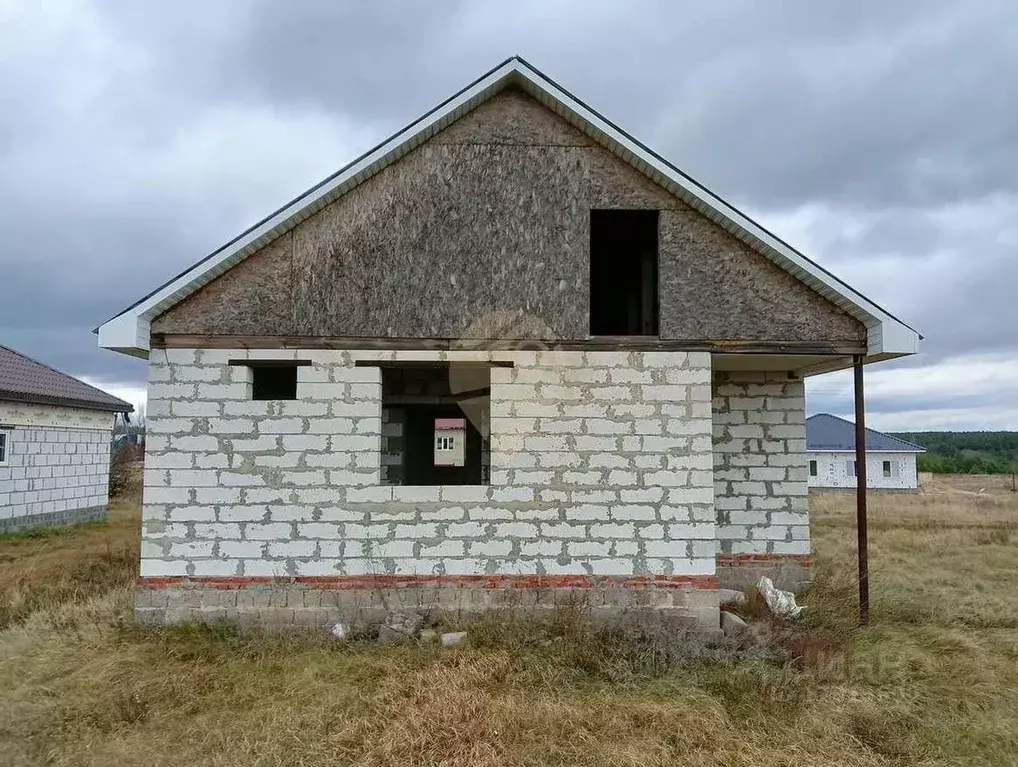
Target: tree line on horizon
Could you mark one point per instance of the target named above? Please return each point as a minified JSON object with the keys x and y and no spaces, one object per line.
{"x":965,"y":452}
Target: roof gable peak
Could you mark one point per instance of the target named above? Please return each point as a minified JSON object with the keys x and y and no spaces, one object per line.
{"x":129,"y":331}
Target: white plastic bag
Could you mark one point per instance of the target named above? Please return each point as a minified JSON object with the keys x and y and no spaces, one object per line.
{"x":781,"y":603}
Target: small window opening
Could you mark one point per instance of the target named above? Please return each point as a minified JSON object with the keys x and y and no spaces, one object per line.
{"x":4,"y":448}
{"x":812,"y":468}
{"x":887,"y":468}
{"x":273,"y":382}
{"x":623,"y":272}
{"x":850,"y":468}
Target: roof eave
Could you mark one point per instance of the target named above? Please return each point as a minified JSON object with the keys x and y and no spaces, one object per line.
{"x":851,"y":450}
{"x":119,"y":406}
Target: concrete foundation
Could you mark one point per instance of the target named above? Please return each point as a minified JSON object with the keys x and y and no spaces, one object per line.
{"x":53,"y":519}
{"x":789,"y":572}
{"x":316,"y":603}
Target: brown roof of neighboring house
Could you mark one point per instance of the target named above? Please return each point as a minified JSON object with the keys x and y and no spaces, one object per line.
{"x":22,"y":379}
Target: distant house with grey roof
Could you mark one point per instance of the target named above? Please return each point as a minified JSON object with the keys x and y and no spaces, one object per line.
{"x":54,"y":445}
{"x":830,"y":445}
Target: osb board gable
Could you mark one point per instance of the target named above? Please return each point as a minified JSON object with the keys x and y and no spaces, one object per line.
{"x":713,"y":286}
{"x":253,"y":298}
{"x":476,"y":234}
{"x":439,"y":244}
{"x":483,"y":232}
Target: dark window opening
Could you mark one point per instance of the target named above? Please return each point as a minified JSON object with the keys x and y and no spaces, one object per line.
{"x":273,"y":382}
{"x":419,"y":405}
{"x":623,"y":272}
{"x":812,"y":468}
{"x":887,"y":468}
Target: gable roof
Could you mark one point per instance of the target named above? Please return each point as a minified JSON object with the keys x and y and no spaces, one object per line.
{"x":888,"y":336}
{"x":23,"y":379}
{"x":828,"y":433}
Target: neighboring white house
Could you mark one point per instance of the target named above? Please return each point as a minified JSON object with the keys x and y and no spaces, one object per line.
{"x":450,"y":441}
{"x":54,"y":445}
{"x":830,"y":443}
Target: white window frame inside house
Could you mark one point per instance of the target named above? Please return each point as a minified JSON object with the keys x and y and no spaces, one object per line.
{"x":446,"y":443}
{"x":5,"y":447}
{"x":850,"y":468}
{"x":887,"y":468}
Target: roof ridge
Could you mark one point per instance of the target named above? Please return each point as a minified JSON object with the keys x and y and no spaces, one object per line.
{"x":870,"y":431}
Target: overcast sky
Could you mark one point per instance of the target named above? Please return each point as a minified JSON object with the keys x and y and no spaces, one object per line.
{"x":879,"y":138}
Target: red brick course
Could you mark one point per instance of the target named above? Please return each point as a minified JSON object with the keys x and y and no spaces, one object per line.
{"x":413,"y":581}
{"x":730,"y":560}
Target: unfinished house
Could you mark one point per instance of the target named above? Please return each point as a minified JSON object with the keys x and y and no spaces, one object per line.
{"x":511,"y":355}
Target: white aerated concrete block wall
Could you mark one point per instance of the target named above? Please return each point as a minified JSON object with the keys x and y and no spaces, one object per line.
{"x":53,"y":474}
{"x":601,"y":464}
{"x":837,"y":470}
{"x":760,"y":464}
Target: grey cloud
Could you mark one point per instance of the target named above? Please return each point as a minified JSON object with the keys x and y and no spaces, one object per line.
{"x":897,"y":102}
{"x":885,"y":114}
{"x":983,"y":413}
{"x":947,"y":272}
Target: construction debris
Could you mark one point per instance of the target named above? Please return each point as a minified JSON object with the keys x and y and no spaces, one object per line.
{"x":780,"y":603}
{"x":731,"y":624}
{"x":453,"y":638}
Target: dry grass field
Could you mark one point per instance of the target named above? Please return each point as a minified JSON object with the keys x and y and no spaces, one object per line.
{"x":933,"y":680}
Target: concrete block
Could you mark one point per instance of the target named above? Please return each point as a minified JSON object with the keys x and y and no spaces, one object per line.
{"x":241,"y":549}
{"x":770,"y":533}
{"x":416,"y":494}
{"x":465,"y":493}
{"x":512,"y":494}
{"x":515,"y":530}
{"x":588,"y":549}
{"x":699,"y":531}
{"x":465,"y":530}
{"x":731,"y":624}
{"x":299,"y":549}
{"x":400,"y":549}
{"x":160,"y":568}
{"x":267,"y":531}
{"x":489,"y":548}
{"x":612,"y":530}
{"x":563,"y":530}
{"x":453,"y":638}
